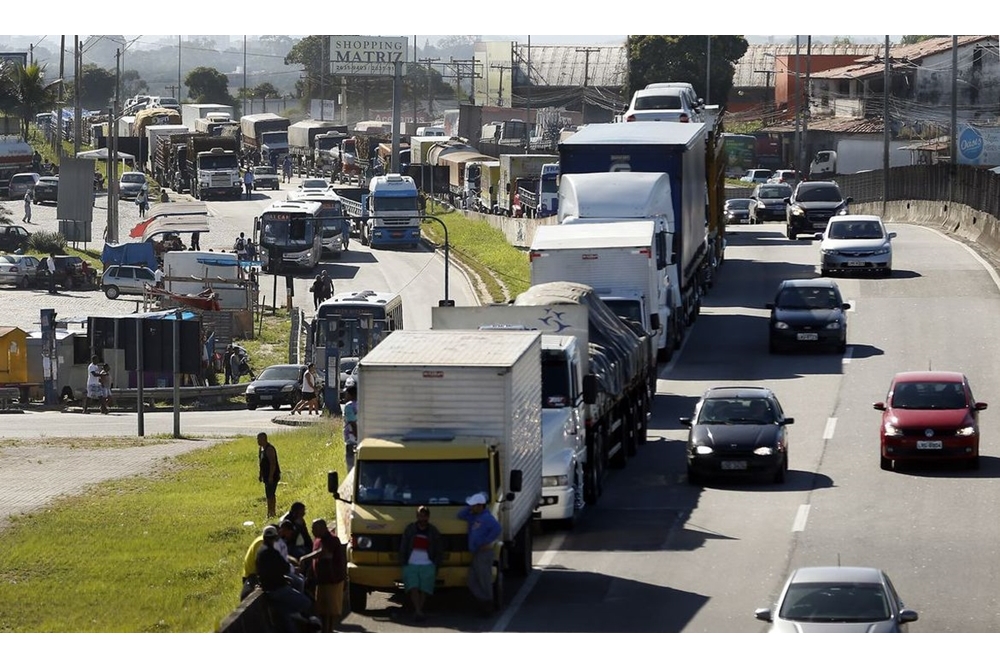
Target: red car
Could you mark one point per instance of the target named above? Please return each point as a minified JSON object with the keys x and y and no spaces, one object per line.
{"x":929,"y":416}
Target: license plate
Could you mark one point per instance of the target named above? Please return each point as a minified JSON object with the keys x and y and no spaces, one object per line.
{"x":807,"y":336}
{"x":855,"y":263}
{"x":396,"y":235}
{"x":734,"y":465}
{"x":929,"y":444}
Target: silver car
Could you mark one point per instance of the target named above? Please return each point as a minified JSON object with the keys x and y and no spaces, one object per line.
{"x":126,"y":279}
{"x":856,"y":243}
{"x":838,"y":599}
{"x":18,"y":270}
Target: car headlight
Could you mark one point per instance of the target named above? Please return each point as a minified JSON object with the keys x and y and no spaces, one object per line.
{"x":764,"y":451}
{"x":251,"y":389}
{"x":966,"y":431}
{"x":833,"y":325}
{"x":828,"y":251}
{"x":797,"y":210}
{"x":288,"y":387}
{"x":780,"y":325}
{"x":884,"y":250}
{"x":703,"y":450}
{"x":555,"y":480}
{"x":842,"y":211}
{"x":891,"y":430}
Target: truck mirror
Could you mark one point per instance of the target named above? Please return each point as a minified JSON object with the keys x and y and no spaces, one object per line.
{"x":654,"y":321}
{"x":590,"y":389}
{"x":256,"y":224}
{"x":332,"y":482}
{"x":516,"y":479}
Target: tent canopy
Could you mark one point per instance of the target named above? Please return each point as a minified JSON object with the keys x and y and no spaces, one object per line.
{"x":172,"y":217}
{"x":102,"y":154}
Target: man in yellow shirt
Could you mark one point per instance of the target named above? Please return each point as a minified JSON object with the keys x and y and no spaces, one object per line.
{"x":250,"y":567}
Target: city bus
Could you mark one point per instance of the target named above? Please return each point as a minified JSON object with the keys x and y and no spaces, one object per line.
{"x":336,"y":226}
{"x":741,"y":153}
{"x":290,"y":236}
{"x":348,"y":325}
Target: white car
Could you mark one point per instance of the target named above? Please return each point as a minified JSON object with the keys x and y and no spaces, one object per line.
{"x":756,"y":176}
{"x":314,"y":185}
{"x":126,"y":279}
{"x":856,"y":243}
{"x":18,"y":270}
{"x":662,"y":104}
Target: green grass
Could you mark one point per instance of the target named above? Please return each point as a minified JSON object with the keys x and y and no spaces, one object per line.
{"x":271,"y":347}
{"x":161,"y":553}
{"x":485,"y":250}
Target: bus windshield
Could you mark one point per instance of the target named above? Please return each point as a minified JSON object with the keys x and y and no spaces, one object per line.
{"x":287,"y":232}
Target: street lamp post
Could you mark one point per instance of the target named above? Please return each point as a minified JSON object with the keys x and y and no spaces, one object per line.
{"x":447,"y":301}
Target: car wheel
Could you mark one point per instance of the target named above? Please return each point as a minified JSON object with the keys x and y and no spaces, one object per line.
{"x":694,"y":477}
{"x":781,"y":472}
{"x":884,"y":463}
{"x":276,"y":404}
{"x":251,"y":405}
{"x":824,"y":272}
{"x":886,"y":272}
{"x":974,"y":463}
{"x":772,"y":346}
{"x":111,"y":291}
{"x":25,"y":283}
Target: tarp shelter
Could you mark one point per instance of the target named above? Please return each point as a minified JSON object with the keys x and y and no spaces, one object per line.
{"x":172,"y":218}
{"x":102,"y":154}
{"x":13,"y":356}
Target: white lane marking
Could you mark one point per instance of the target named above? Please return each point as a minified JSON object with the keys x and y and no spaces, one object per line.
{"x":847,"y":354}
{"x":536,"y":571}
{"x":831,"y":425}
{"x":801,"y":516}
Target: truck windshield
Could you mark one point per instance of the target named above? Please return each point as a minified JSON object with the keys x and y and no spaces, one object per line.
{"x":556,"y":390}
{"x":383,"y":204}
{"x":274,"y":138}
{"x":421,"y":482}
{"x":218,"y":161}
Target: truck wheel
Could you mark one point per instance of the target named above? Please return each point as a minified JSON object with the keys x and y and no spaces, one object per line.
{"x":664,"y":354}
{"x":631,"y":430}
{"x":620,"y":457}
{"x":358,"y":597}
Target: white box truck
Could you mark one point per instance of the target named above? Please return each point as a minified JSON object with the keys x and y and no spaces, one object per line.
{"x":192,"y":112}
{"x":617,"y":259}
{"x":627,"y":196}
{"x":443,"y":415}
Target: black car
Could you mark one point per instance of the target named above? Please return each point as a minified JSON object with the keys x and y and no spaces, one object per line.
{"x":808,"y":314}
{"x":767,"y":202}
{"x":276,"y":386}
{"x":811,"y":206}
{"x":46,"y":189}
{"x":71,"y":272}
{"x":737,"y":431}
{"x":736,"y":211}
{"x":14,"y":238}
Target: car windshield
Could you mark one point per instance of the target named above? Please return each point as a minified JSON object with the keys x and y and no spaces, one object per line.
{"x":775,"y":192}
{"x":347,"y":365}
{"x":841,"y":229}
{"x":286,"y":373}
{"x":835,"y":603}
{"x":736,"y":411}
{"x":133,"y":178}
{"x":929,"y":396}
{"x":738,"y":204}
{"x":808,"y":298}
{"x":650,"y":102}
{"x":264,"y":171}
{"x":315,"y":183}
{"x":822,"y":193}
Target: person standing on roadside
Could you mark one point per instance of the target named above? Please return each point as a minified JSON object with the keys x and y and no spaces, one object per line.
{"x":195,"y":240}
{"x":270,"y":472}
{"x":248,"y":181}
{"x":142,"y":201}
{"x":420,"y":552}
{"x":350,"y":412}
{"x":484,"y":530}
{"x":329,"y":571}
{"x":27,"y":206}
{"x":308,"y":391}
{"x":50,"y":265}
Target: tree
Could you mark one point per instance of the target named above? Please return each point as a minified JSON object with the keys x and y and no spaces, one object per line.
{"x":653,"y":58}
{"x":266,"y":90}
{"x":915,"y":39}
{"x":97,"y":87}
{"x":26,"y":93}
{"x":207,"y":85}
{"x":309,"y":52}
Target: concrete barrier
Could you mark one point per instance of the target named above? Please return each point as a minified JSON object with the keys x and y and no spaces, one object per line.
{"x":250,"y":616}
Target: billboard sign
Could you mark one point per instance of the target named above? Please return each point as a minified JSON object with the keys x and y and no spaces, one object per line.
{"x":20,"y":57}
{"x":364,"y":55}
{"x":978,"y":145}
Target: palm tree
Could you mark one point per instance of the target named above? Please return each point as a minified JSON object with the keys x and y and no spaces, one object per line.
{"x":24,"y":92}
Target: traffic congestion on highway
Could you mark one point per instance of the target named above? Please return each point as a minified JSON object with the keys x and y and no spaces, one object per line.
{"x":721,"y":405}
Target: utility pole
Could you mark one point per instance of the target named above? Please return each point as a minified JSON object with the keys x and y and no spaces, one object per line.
{"x":586,"y":51}
{"x":173,"y":90}
{"x":885,"y":130}
{"x":62,"y":92}
{"x":77,"y":107}
{"x":798,"y":110}
{"x":426,"y":62}
{"x":527,"y":89}
{"x":459,"y":69}
{"x":243,"y":96}
{"x":322,"y":77}
{"x":805,"y":111}
{"x":952,"y":172}
{"x":502,"y":68}
{"x":178,"y":95}
{"x":414,"y":87}
{"x":708,"y":70}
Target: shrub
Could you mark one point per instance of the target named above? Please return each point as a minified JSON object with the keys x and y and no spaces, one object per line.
{"x":5,"y":215}
{"x":46,"y":242}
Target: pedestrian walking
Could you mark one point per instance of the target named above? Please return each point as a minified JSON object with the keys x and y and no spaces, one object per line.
{"x":286,"y":169}
{"x":248,"y":181}
{"x":327,"y":291}
{"x":484,"y":530}
{"x":142,"y":201}
{"x":350,"y":412}
{"x":309,"y":387}
{"x":195,"y":240}
{"x":27,"y":206}
{"x":317,"y":290}
{"x":270,"y":472}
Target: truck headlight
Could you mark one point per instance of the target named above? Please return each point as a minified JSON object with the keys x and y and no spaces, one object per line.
{"x":555,"y":480}
{"x":362,"y":542}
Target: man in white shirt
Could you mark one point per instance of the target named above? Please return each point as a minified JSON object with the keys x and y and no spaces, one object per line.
{"x":50,"y":265}
{"x":94,"y":389}
{"x":158,"y":276}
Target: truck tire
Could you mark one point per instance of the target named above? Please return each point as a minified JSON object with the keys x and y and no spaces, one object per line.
{"x":631,"y":430}
{"x":497,"y":589}
{"x":521,"y":553}
{"x":620,"y":457}
{"x":665,"y":353}
{"x":593,"y":486}
{"x":358,"y":596}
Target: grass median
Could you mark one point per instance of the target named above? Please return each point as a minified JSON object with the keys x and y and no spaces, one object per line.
{"x":161,"y":552}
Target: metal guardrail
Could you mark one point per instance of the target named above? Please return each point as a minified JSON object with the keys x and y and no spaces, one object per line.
{"x":216,"y":393}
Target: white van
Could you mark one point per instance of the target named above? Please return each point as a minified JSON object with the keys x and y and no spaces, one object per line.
{"x":431,"y":131}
